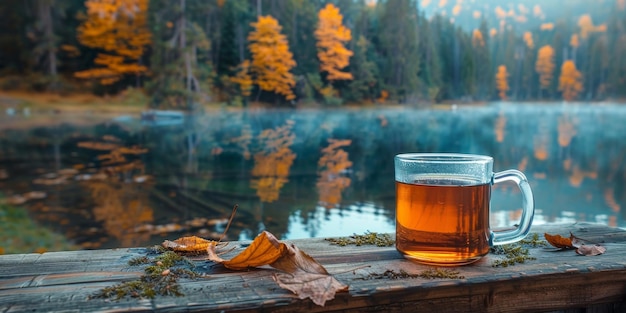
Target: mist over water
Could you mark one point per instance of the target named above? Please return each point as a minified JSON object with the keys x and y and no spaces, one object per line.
{"x":302,"y":173}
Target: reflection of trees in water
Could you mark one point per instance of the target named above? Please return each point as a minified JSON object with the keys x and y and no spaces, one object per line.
{"x":273,"y":161}
{"x":333,"y":162}
{"x":121,"y":201}
{"x":121,"y":207}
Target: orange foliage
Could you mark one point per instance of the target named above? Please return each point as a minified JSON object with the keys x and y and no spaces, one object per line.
{"x":271,"y":58}
{"x":120,"y":28}
{"x":609,"y":198}
{"x":477,"y":39}
{"x":384,"y":94}
{"x":574,"y":42}
{"x":586,"y":26}
{"x":545,"y":66}
{"x":243,"y":78}
{"x":493,"y":32}
{"x":502,"y":84}
{"x":500,"y":13}
{"x":273,"y":163}
{"x":456,"y":9}
{"x":442,"y":3}
{"x":547,"y":26}
{"x":570,"y":82}
{"x":579,"y":175}
{"x":528,"y":40}
{"x":122,"y":208}
{"x":331,"y":36}
{"x":333,"y":162}
{"x":477,"y":14}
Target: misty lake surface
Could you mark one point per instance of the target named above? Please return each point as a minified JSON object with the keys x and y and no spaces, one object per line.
{"x":128,"y":181}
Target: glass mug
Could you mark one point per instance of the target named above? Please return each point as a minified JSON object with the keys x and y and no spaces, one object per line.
{"x":443,"y":203}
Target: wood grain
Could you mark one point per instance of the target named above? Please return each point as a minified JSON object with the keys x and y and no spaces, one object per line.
{"x":555,"y":281}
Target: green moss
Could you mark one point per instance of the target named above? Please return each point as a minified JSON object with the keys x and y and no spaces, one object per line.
{"x":518,"y":252}
{"x":138,"y":261}
{"x":433,"y":273}
{"x":160,"y":278}
{"x":369,"y":238}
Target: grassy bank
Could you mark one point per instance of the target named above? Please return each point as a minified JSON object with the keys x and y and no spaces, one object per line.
{"x":20,"y":234}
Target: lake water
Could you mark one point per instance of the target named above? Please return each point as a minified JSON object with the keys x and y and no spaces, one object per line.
{"x":298,"y":173}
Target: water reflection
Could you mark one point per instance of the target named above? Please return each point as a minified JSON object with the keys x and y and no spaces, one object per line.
{"x":301,"y":173}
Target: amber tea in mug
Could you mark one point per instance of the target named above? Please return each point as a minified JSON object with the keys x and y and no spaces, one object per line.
{"x":443,"y":203}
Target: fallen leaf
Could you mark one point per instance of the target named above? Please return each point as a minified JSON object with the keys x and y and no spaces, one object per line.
{"x":559,"y":241}
{"x":300,"y":273}
{"x":188,"y":244}
{"x":264,"y":250}
{"x":589,"y":250}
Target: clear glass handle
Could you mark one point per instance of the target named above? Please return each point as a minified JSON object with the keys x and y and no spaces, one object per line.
{"x":528,"y":209}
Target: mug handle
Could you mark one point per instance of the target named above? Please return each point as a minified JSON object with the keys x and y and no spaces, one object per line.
{"x":528,"y":209}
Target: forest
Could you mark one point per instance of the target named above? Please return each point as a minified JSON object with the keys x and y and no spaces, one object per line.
{"x":179,"y":54}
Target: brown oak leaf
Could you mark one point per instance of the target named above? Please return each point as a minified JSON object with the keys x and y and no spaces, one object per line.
{"x":300,"y":273}
{"x":559,"y":241}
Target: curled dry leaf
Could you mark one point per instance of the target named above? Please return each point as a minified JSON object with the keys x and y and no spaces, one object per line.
{"x":588,"y":250}
{"x":559,"y":241}
{"x":264,"y":250}
{"x":301,"y":274}
{"x":188,"y":244}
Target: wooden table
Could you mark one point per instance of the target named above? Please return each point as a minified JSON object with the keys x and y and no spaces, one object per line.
{"x":554,"y":281}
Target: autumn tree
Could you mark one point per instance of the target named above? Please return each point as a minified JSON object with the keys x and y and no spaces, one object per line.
{"x":243,"y":79}
{"x":271,"y":58}
{"x":331,"y":36}
{"x":545,"y":66}
{"x":502,"y":84}
{"x":570,"y":81}
{"x":119,"y":29}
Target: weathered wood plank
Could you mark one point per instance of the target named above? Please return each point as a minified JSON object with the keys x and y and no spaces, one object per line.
{"x":63,"y":281}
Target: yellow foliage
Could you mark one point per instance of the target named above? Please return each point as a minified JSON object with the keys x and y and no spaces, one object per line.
{"x":586,"y":26}
{"x":271,"y":58}
{"x":477,"y":39}
{"x":120,"y":28}
{"x":547,"y":26}
{"x":500,"y":13}
{"x":493,"y":32}
{"x":528,"y":40}
{"x":333,"y":162}
{"x":477,"y":14}
{"x":570,"y":82}
{"x":545,"y":66}
{"x":502,"y":84}
{"x":456,"y":9}
{"x":243,"y":78}
{"x":574,"y":42}
{"x":331,"y":36}
{"x":442,"y":3}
